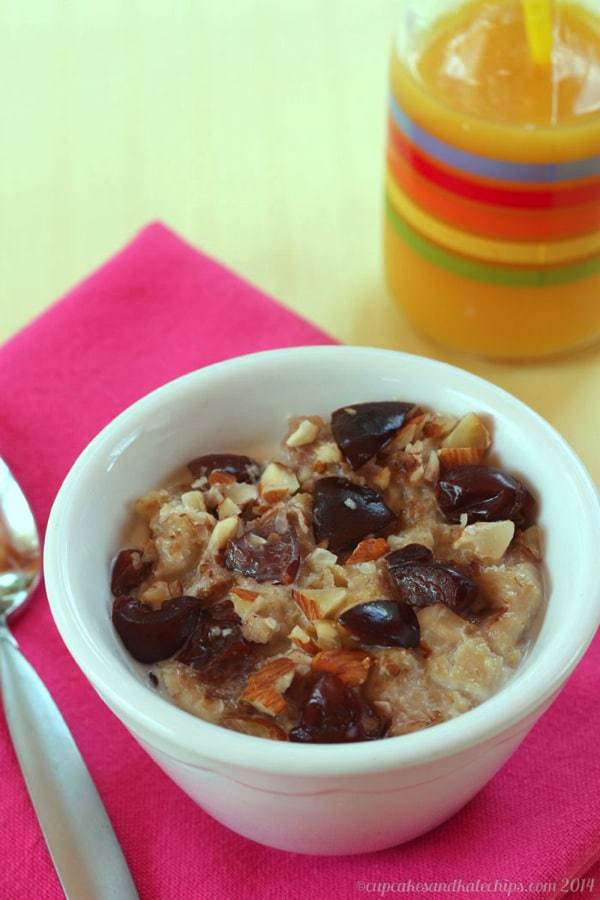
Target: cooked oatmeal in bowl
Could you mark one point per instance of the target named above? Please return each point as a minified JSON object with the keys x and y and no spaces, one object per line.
{"x":347,"y":796}
{"x":374,"y":576}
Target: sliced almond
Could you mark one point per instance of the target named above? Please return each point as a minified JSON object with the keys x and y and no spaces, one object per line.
{"x":350,"y":666}
{"x":450,"y":457}
{"x":488,"y":541}
{"x":303,"y":641}
{"x":319,"y":603}
{"x":218,"y":477}
{"x":264,"y":688}
{"x":367,"y":550}
{"x":304,"y":434}
{"x":277,"y":482}
{"x":222,"y":533}
{"x":228,"y":508}
{"x":241,"y":493}
{"x":194,"y":500}
{"x":256,"y":726}
{"x":328,"y":634}
{"x":470,"y":432}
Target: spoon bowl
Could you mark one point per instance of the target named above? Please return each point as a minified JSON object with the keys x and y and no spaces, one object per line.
{"x":20,"y":556}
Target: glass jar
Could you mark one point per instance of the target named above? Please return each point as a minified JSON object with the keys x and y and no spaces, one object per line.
{"x":492,"y":225}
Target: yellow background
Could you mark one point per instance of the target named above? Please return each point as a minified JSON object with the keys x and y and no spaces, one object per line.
{"x":253,"y":127}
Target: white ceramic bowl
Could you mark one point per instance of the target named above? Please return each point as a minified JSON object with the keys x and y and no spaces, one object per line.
{"x":320,"y":799}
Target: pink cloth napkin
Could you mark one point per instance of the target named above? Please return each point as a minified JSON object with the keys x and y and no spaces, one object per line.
{"x":157,"y":310}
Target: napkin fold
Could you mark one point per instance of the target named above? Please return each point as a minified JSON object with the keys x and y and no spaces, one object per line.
{"x":155,"y":311}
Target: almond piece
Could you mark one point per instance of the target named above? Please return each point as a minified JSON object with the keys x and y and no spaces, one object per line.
{"x":241,"y":493}
{"x":264,"y":688}
{"x":410,"y":431}
{"x":242,"y":600}
{"x":194,"y":500}
{"x":439,"y":426}
{"x":531,"y":541}
{"x":350,"y":666}
{"x":321,"y":559}
{"x":488,"y":541}
{"x":328,"y":454}
{"x":382,"y":478}
{"x":450,"y":457}
{"x":156,"y":594}
{"x":328,"y":635}
{"x":318,"y":603}
{"x":228,"y":508}
{"x":222,"y":533}
{"x":470,"y":432}
{"x":256,"y":726}
{"x":218,"y":477}
{"x":303,"y":641}
{"x":304,"y":434}
{"x":277,"y":482}
{"x":367,"y":550}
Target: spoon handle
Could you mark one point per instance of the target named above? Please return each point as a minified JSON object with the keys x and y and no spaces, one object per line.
{"x":85,"y":851}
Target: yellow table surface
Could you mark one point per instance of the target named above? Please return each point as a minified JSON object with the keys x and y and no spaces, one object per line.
{"x":255,"y":128}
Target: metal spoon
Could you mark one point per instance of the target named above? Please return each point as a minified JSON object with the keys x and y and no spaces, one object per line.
{"x":85,"y":851}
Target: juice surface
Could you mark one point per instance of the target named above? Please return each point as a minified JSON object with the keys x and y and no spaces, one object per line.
{"x":479,"y":62}
{"x":469,"y":84}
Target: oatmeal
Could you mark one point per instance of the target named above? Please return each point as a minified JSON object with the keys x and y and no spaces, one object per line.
{"x":375,"y":577}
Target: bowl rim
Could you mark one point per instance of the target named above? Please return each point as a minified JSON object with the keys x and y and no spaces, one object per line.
{"x":164,"y":724}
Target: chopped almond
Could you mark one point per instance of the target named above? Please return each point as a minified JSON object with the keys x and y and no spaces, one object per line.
{"x":303,"y":641}
{"x":304,"y":434}
{"x":328,"y":634}
{"x":222,"y":533}
{"x":217,"y":477}
{"x":264,"y":688}
{"x":470,"y":432}
{"x":242,"y":600}
{"x":382,"y":478}
{"x":318,"y":603}
{"x":450,"y":457}
{"x":241,"y":493}
{"x":228,"y":508}
{"x":350,"y":666}
{"x":193,"y":500}
{"x":277,"y":482}
{"x":488,"y":541}
{"x":410,"y":431}
{"x":256,"y":726}
{"x":367,"y":550}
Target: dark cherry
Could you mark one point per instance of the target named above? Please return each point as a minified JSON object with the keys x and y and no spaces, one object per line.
{"x":484,"y":494}
{"x":154,"y":634}
{"x":344,"y":513}
{"x":363,"y":429}
{"x":217,"y":648}
{"x":422,"y":584}
{"x":410,"y":554}
{"x":383,"y":623}
{"x":128,"y":572}
{"x":333,"y":713}
{"x":243,"y":468}
{"x":276,"y":560}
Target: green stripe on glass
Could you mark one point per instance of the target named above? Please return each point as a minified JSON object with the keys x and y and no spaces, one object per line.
{"x":504,"y":275}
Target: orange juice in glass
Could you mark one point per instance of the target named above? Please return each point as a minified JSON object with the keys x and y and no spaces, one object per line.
{"x":492,"y":225}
